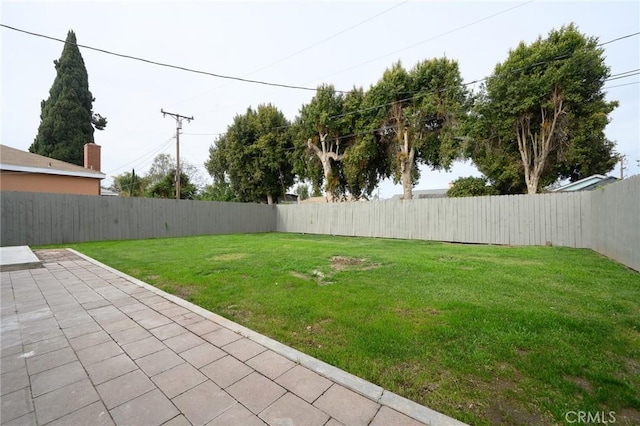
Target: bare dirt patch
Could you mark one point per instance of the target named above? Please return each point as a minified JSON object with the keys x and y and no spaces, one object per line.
{"x":581,"y":383}
{"x":229,"y":256}
{"x":337,"y":264}
{"x":341,"y":263}
{"x":238,"y":314}
{"x":184,"y":291}
{"x":505,"y":413}
{"x":628,"y":416}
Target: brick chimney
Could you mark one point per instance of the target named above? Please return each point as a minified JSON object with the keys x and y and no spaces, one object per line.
{"x":92,"y":156}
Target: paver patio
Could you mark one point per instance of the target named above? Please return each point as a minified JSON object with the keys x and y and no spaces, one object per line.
{"x":82,"y":343}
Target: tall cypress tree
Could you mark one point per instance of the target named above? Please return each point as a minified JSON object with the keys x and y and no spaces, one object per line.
{"x":67,"y":120}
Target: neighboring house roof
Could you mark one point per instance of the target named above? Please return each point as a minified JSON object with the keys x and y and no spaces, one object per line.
{"x":424,"y":193}
{"x":108,"y":193}
{"x":12,"y":159}
{"x":586,"y":184}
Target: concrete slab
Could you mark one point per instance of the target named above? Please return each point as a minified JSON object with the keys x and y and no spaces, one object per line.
{"x":17,"y":258}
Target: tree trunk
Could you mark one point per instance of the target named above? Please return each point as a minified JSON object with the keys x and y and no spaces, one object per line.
{"x":406,"y":166}
{"x":326,"y":167}
{"x":269,"y":199}
{"x":535,"y":147}
{"x":325,"y":155}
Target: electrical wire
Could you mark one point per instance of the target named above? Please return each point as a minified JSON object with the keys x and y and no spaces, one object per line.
{"x":154,"y":151}
{"x":308,"y":47}
{"x":621,"y":85}
{"x":320,"y":88}
{"x":162,"y":64}
{"x":427,"y":40}
{"x":331,"y":37}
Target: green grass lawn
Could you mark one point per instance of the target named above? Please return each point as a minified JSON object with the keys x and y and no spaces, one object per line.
{"x":485,"y":334}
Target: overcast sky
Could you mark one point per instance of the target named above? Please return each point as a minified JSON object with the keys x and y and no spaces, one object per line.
{"x":297,"y":43}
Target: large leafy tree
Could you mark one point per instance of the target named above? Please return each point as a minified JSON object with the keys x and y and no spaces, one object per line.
{"x":166,"y":187}
{"x":67,"y":120}
{"x":335,"y":148}
{"x":541,"y":115}
{"x":418,"y":117}
{"x":319,"y":135}
{"x":165,"y":164}
{"x":129,"y":184}
{"x":471,"y":187}
{"x":254,"y":155}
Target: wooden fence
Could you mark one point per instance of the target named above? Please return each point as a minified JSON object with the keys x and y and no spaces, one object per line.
{"x":606,"y":220}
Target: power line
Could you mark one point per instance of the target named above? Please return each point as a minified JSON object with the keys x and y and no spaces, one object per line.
{"x":624,"y":76}
{"x":331,"y":37}
{"x":619,"y":38}
{"x":427,"y":40}
{"x":162,"y":64}
{"x":310,"y":47}
{"x":621,"y":85}
{"x":162,"y":146}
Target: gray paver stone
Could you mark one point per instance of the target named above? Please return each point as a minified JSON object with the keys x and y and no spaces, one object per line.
{"x":226,"y":371}
{"x":244,"y":349}
{"x":203,"y":403}
{"x":98,"y":353}
{"x":124,"y":388}
{"x":271,"y":364}
{"x":13,"y":362}
{"x":202,"y":355}
{"x":245,"y":392}
{"x":88,"y":340}
{"x":63,"y":401}
{"x":237,"y":415}
{"x":111,"y":368}
{"x":26,"y":420}
{"x":292,"y":410}
{"x":347,"y":406}
{"x":388,"y":417}
{"x":92,"y":415}
{"x":180,"y":420}
{"x":158,"y":362}
{"x":16,"y":404}
{"x":221,"y":337}
{"x":304,"y":383}
{"x":47,"y":345}
{"x":130,"y":335}
{"x":150,"y":409}
{"x":179,"y":379}
{"x":57,"y":377}
{"x":143,"y":347}
{"x":183,"y":342}
{"x":167,"y":331}
{"x":203,"y":327}
{"x":82,"y":329}
{"x":50,"y":360}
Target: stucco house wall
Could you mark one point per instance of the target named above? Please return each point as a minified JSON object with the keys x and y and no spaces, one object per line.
{"x":27,"y":172}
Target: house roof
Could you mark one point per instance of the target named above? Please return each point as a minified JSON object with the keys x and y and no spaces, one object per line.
{"x":586,"y":184}
{"x":424,"y":193}
{"x":12,"y":159}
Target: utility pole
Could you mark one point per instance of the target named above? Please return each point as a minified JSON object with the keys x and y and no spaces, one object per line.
{"x":179,"y":119}
{"x":623,"y":162}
